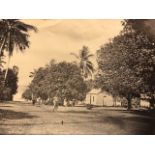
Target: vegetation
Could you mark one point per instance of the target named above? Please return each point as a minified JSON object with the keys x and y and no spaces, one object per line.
{"x":127,"y":63}
{"x":13,"y":34}
{"x":62,"y":80}
{"x":85,"y":64}
{"x":27,"y":94}
{"x":10,"y":89}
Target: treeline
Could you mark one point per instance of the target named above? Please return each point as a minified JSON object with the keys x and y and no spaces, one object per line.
{"x":62,"y":79}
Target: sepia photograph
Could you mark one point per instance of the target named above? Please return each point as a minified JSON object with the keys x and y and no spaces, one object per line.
{"x":77,"y":76}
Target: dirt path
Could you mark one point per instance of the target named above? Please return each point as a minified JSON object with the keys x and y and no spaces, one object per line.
{"x":21,"y":118}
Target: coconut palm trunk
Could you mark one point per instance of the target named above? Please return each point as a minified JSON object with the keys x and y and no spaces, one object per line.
{"x":91,"y":87}
{"x":2,"y":45}
{"x":9,"y":56}
{"x":85,"y":64}
{"x":7,"y":69}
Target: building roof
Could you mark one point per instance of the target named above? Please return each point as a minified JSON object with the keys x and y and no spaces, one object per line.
{"x":95,"y":91}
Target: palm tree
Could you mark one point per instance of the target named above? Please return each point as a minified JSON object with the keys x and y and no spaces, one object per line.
{"x":14,"y":34}
{"x":85,"y":64}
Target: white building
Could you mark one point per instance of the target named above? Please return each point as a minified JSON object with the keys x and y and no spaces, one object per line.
{"x":96,"y":97}
{"x":144,"y":103}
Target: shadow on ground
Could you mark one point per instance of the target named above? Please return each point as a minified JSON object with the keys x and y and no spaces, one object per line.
{"x":139,"y":123}
{"x":135,"y":122}
{"x":9,"y":114}
{"x":75,"y":112}
{"x":6,"y":106}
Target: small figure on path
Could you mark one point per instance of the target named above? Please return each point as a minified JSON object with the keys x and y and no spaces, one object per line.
{"x":33,"y":101}
{"x":55,"y":103}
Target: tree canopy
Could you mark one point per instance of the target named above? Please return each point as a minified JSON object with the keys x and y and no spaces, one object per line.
{"x":85,"y":64}
{"x":10,"y":88}
{"x":63,"y":80}
{"x":127,"y":64}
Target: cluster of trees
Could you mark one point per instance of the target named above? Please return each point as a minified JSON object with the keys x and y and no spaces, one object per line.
{"x":127,"y":63}
{"x":63,"y":80}
{"x":10,"y":88}
{"x":67,"y":81}
{"x":13,"y":34}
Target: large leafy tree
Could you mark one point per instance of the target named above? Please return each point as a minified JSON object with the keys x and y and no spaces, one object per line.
{"x":63,"y":80}
{"x":127,"y":65}
{"x":145,"y":27}
{"x":116,"y":68}
{"x":13,"y":34}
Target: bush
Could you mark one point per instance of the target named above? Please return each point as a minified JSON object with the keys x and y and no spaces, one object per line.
{"x":89,"y":106}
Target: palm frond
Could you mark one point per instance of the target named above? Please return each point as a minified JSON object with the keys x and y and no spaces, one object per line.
{"x":24,"y":27}
{"x":90,"y":55}
{"x":75,"y":55}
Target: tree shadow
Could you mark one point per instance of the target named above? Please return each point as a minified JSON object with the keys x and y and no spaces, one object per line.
{"x":141,"y":112}
{"x":3,"y":131}
{"x":6,"y":106}
{"x":10,"y":114}
{"x":139,"y":123}
{"x":75,"y":112}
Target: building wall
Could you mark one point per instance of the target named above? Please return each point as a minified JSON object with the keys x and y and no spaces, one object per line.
{"x":108,"y":100}
{"x":144,"y":103}
{"x":101,"y":99}
{"x":87,"y":100}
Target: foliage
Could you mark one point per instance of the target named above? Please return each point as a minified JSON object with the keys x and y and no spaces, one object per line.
{"x":27,"y":94}
{"x":85,"y":64}
{"x":13,"y":34}
{"x":62,"y":79}
{"x":10,"y":88}
{"x":127,"y":65}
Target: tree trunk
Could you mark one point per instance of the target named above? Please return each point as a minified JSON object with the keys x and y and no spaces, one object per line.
{"x":7,"y":69}
{"x":152,"y":102}
{"x":9,"y":55}
{"x":114,"y":101}
{"x":129,"y":102}
{"x":2,"y":45}
{"x":1,"y":53}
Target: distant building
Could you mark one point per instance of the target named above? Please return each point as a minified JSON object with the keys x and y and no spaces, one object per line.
{"x":100,"y":98}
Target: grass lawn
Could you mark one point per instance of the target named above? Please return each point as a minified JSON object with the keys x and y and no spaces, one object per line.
{"x":23,"y":118}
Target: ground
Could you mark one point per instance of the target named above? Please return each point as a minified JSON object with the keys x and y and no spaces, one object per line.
{"x":24,"y":118}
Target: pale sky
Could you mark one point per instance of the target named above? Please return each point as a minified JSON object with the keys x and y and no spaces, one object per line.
{"x":56,"y":39}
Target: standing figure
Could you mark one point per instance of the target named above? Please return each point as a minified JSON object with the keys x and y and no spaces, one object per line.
{"x":55,"y":103}
{"x":33,"y":101}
